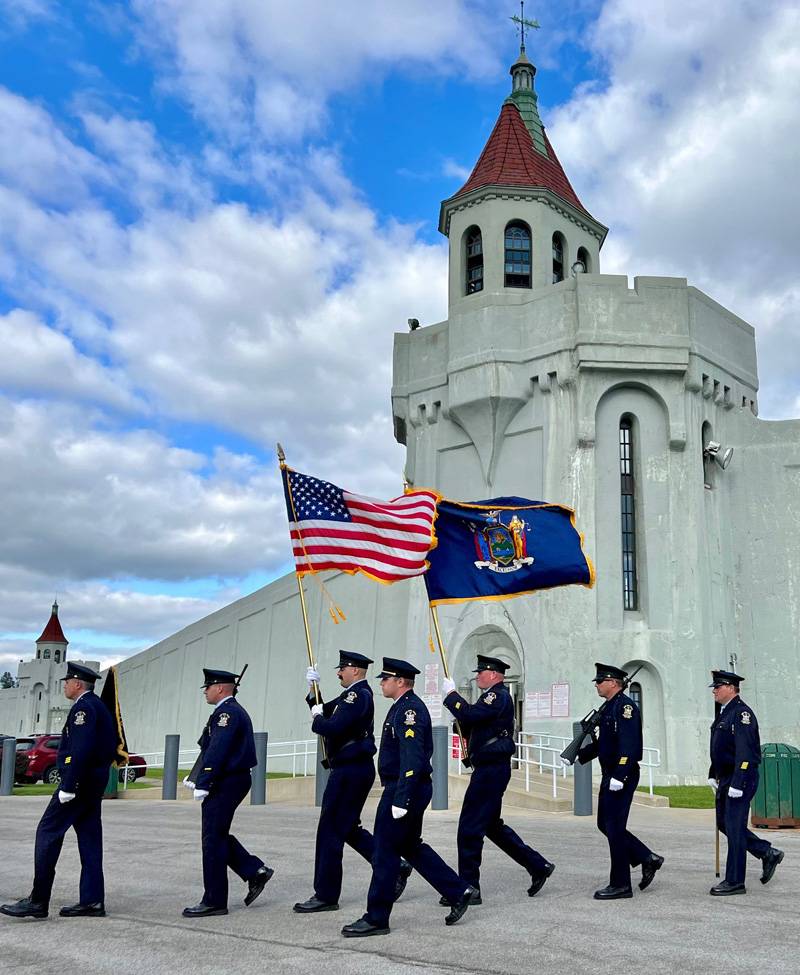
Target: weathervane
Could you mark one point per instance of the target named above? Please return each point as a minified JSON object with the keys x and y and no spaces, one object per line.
{"x":522,"y":23}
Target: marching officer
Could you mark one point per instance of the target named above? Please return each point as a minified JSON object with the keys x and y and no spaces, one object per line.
{"x":87,"y":748}
{"x":618,"y":745}
{"x":733,"y":775}
{"x":221,"y":779}
{"x":404,"y":766}
{"x":346,"y":725}
{"x":489,"y":728}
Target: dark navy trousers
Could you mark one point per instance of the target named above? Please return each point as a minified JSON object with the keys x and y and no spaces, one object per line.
{"x":732,"y":815}
{"x":612,"y":820}
{"x":480,"y":817}
{"x":83,"y":814}
{"x":394,"y":838}
{"x":339,"y":823}
{"x":220,"y":849}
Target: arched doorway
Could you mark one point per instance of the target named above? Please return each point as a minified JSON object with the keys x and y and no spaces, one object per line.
{"x":493,"y":642}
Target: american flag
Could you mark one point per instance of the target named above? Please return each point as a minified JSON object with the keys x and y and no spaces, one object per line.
{"x":333,"y":529}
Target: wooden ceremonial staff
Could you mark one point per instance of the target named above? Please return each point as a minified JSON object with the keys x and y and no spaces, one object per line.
{"x":314,"y":685}
{"x":443,"y":655}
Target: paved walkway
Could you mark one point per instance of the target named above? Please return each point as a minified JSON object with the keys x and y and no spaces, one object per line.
{"x":153,"y":871}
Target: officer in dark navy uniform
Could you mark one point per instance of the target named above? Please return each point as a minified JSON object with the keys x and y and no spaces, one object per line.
{"x":618,"y":745}
{"x":404,"y":766}
{"x":221,"y":779}
{"x":488,"y":726}
{"x":87,"y":748}
{"x":735,"y":761}
{"x":346,"y":725}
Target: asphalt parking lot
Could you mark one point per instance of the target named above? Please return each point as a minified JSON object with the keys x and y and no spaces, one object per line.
{"x":152,"y":871}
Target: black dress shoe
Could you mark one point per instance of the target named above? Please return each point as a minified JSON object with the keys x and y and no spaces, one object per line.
{"x":313,"y":905}
{"x":203,"y":910}
{"x":257,"y":883}
{"x":362,"y":929}
{"x":649,"y":868}
{"x":83,"y":910}
{"x":725,"y":889}
{"x":771,"y":860}
{"x":24,"y":908}
{"x":612,"y":893}
{"x":402,"y":879}
{"x":539,"y":879}
{"x":474,"y":901}
{"x":459,"y":909}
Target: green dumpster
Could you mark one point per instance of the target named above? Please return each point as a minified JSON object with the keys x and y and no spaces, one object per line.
{"x":113,"y":783}
{"x":777,"y":799}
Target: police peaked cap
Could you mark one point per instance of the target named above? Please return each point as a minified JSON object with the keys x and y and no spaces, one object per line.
{"x":219,"y":677}
{"x":490,"y":663}
{"x":392,"y":667}
{"x":349,"y":658}
{"x":604,"y":671}
{"x":719,"y":678}
{"x":79,"y":672}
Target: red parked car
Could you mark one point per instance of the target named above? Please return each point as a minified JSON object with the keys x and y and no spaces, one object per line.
{"x":42,"y":755}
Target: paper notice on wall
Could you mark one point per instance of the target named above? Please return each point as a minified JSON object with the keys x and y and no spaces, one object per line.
{"x":537,"y":705}
{"x":431,"y":678}
{"x":531,"y":705}
{"x":545,"y":710}
{"x":559,"y":694}
{"x":433,"y":702}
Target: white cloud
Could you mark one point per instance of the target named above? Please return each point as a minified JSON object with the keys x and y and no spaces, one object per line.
{"x":265,"y":68}
{"x":690,"y":154}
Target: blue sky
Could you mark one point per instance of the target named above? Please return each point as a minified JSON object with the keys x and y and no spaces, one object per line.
{"x":213,"y":218}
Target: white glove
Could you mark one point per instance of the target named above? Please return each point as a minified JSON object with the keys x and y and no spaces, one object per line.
{"x":714,"y":783}
{"x":398,"y":813}
{"x":565,"y":763}
{"x":200,"y":793}
{"x":187,"y":783}
{"x":735,"y":793}
{"x":316,"y":710}
{"x":65,"y":796}
{"x":312,"y":676}
{"x":448,"y":686}
{"x":615,"y":785}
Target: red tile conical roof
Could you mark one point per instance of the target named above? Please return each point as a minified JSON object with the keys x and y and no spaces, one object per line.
{"x":510,"y":159}
{"x":52,"y":633}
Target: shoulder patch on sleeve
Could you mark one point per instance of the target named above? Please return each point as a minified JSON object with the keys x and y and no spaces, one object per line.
{"x":489,"y":698}
{"x":224,"y":718}
{"x":349,"y":698}
{"x":745,"y":717}
{"x":627,"y":711}
{"x":80,"y":717}
{"x":411,"y":717}
{"x":409,"y":733}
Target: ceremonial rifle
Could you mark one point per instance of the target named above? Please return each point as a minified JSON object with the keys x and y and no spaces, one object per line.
{"x":590,"y":722}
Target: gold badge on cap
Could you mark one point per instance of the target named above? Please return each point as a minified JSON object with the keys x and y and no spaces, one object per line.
{"x":627,"y":711}
{"x":411,"y":717}
{"x":224,"y":718}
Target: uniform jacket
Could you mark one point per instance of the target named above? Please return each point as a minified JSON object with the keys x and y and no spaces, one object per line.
{"x":226,"y":745}
{"x":347,"y":724}
{"x":488,"y":724}
{"x":88,"y":744}
{"x":406,"y":748}
{"x":735,"y":744}
{"x":617,"y":740}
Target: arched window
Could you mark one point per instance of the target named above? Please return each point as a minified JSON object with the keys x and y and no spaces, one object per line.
{"x":46,"y":653}
{"x":518,"y":255}
{"x":474,"y":263}
{"x":57,"y":656}
{"x":635,"y":694}
{"x":708,"y":463}
{"x":559,"y":250}
{"x":630,"y":594}
{"x":583,"y":257}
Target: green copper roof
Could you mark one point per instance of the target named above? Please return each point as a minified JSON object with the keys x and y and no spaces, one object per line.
{"x":524,"y":97}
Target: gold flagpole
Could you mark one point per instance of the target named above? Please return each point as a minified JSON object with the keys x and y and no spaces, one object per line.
{"x":309,"y":649}
{"x":461,"y":738}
